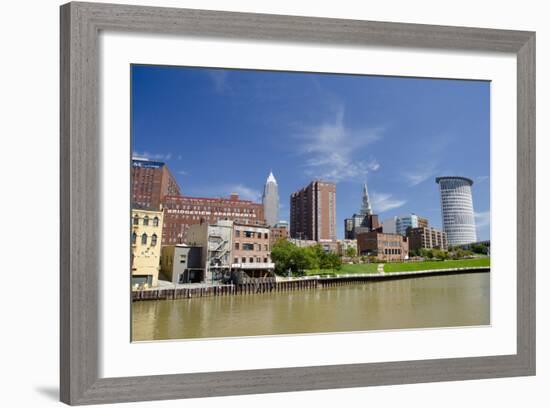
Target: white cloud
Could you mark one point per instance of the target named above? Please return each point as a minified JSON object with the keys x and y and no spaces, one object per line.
{"x":483,"y":219}
{"x":330,"y":147}
{"x":384,"y":202}
{"x":373,"y":165}
{"x":152,"y":156}
{"x":182,"y":172}
{"x":420,"y":174}
{"x":482,"y":179}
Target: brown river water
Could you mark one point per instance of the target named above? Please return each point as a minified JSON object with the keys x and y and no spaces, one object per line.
{"x":424,"y":302}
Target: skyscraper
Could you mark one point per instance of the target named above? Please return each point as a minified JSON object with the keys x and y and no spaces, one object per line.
{"x":366,"y":208}
{"x":365,"y":220}
{"x":270,"y":200}
{"x":313,"y":212}
{"x":457,"y":210}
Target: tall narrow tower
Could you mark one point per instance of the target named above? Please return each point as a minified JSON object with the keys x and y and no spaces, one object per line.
{"x":366,"y":208}
{"x":457,"y":210}
{"x":270,"y":200}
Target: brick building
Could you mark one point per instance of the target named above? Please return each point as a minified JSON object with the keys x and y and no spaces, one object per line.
{"x":279,"y":231}
{"x":386,"y":247}
{"x":251,"y":252}
{"x":426,"y":237}
{"x":151,"y":181}
{"x":313,"y":212}
{"x":180,"y":212}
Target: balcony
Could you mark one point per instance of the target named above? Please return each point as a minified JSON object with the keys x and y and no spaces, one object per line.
{"x":253,"y":265}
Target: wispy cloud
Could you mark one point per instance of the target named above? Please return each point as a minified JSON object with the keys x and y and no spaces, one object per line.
{"x":384,"y":202}
{"x":483,"y":219}
{"x":244,"y":192}
{"x":420,"y":174}
{"x":219,"y":79}
{"x":182,"y":172}
{"x":329,"y":149}
{"x":481,"y":179}
{"x":152,"y":156}
{"x":373,"y":165}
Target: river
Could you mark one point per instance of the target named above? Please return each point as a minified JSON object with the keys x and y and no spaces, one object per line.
{"x":434,"y":301}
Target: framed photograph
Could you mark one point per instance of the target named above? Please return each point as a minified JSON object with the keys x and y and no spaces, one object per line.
{"x":270,"y":203}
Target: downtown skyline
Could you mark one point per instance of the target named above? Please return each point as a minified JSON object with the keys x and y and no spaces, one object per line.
{"x":397,"y":134}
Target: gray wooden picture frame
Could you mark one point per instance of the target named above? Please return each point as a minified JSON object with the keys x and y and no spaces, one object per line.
{"x":80,"y":192}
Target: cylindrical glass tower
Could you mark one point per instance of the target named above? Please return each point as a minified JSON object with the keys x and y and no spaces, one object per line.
{"x":457,"y":210}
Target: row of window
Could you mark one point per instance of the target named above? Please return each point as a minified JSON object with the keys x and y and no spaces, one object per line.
{"x":247,"y":246}
{"x":146,"y":220}
{"x":250,"y":260}
{"x":144,"y":239}
{"x":392,"y":251}
{"x":251,"y":234}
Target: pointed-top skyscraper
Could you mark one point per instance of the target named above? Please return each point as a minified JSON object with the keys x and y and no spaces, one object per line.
{"x":270,"y":200}
{"x":366,"y":208}
{"x":365,"y":219}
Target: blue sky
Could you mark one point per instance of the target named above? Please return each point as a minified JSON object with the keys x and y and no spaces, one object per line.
{"x":222,"y":131}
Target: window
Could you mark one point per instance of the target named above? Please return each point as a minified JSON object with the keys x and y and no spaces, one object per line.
{"x":156,"y":222}
{"x":237,"y":233}
{"x":146,"y":220}
{"x":265,"y":260}
{"x":258,"y":260}
{"x":237,"y":245}
{"x":251,"y":260}
{"x":266,"y":247}
{"x":136,"y":219}
{"x":265,"y":235}
{"x":244,"y":259}
{"x":235,"y":260}
{"x":248,"y":247}
{"x":249,"y":234}
{"x":154,"y":240}
{"x":134,"y":238}
{"x":144,"y":239}
{"x":183,"y":258}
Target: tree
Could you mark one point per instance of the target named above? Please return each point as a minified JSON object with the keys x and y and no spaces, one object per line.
{"x":282,"y":254}
{"x":351,"y":252}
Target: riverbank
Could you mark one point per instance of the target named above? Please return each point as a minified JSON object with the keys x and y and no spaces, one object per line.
{"x":290,"y":284}
{"x":369,"y":268}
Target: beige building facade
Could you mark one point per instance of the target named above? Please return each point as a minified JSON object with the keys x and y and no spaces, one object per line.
{"x":145,"y":247}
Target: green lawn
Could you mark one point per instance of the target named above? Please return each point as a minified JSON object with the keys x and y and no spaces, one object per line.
{"x":428,"y":265}
{"x":402,"y":266}
{"x":345,"y":269}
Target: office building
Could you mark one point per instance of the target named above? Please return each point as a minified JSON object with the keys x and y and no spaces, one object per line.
{"x":232,"y":251}
{"x":270,"y":200}
{"x":180,"y":212}
{"x":364,"y":221}
{"x":426,"y":238}
{"x":279,"y":231}
{"x":313,"y":212}
{"x":457,"y":210}
{"x":151,"y":182}
{"x":146,"y":238}
{"x":251,"y":253}
{"x":343,"y":245}
{"x":216,"y":242}
{"x":399,"y":224}
{"x":385,"y":247}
